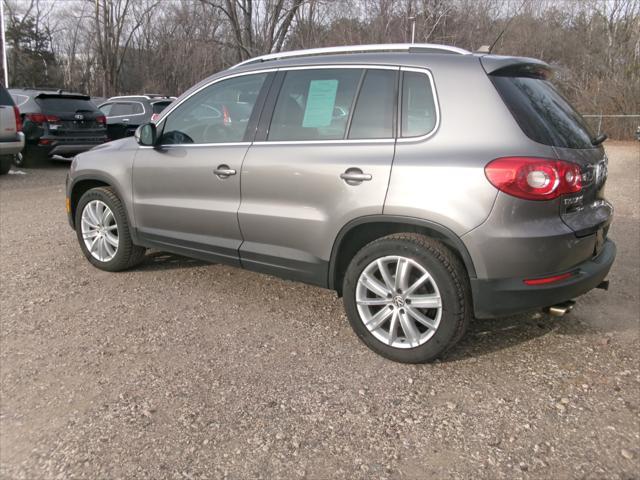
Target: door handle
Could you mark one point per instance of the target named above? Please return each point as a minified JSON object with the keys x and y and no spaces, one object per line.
{"x":223,"y":171}
{"x":355,"y":176}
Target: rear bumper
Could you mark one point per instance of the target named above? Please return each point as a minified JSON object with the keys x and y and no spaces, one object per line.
{"x":13,"y":147}
{"x":496,"y":298}
{"x":68,"y":146}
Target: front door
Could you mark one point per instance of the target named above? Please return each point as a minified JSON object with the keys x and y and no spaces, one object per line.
{"x":324,"y":159}
{"x":186,"y":190}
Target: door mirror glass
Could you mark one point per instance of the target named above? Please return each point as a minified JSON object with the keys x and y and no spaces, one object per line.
{"x":146,"y":135}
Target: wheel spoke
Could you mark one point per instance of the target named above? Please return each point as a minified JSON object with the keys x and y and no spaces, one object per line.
{"x":425,"y":301}
{"x":374,"y":285}
{"x":402,"y":274}
{"x":379,"y":318}
{"x":111,"y":227}
{"x":393,"y":328}
{"x":90,"y":210}
{"x":94,"y":244}
{"x":417,"y":284}
{"x":111,"y":239}
{"x":411,"y":333}
{"x":88,"y":222}
{"x":106,"y":216}
{"x":372,"y":301}
{"x":386,"y":276}
{"x":90,"y":234}
{"x":423,"y":319}
{"x":108,"y":249}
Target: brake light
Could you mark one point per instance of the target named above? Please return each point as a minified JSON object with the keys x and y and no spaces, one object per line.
{"x":16,"y":112}
{"x":101,"y":119}
{"x":533,"y":178}
{"x":41,"y":118}
{"x":544,"y":281}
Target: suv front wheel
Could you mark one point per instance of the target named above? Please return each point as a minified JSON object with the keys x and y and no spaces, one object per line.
{"x":103,"y":231}
{"x":407,"y":297}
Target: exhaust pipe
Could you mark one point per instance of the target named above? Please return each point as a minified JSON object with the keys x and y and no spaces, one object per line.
{"x":560,"y":309}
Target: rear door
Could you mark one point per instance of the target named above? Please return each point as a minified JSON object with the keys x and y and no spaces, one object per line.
{"x":186,"y":191}
{"x":322,"y":158}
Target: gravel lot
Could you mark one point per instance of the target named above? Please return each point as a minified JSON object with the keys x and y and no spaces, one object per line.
{"x":181,"y":369}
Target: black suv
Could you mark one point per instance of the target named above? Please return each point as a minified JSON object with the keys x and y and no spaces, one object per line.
{"x":126,"y":113}
{"x":56,"y":122}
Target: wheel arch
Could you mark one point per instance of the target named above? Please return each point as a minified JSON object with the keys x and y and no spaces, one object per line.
{"x":83,"y":184}
{"x":361,"y":231}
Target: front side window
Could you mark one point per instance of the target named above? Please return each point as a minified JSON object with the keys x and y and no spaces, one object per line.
{"x":314,"y":104}
{"x":419,"y":115}
{"x":217,"y":114}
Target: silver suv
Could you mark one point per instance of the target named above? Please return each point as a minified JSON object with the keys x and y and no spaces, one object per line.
{"x":424,"y":183}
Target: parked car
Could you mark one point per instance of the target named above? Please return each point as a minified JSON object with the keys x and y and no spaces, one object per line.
{"x":56,"y":122}
{"x":126,"y":113}
{"x":11,"y":136}
{"x":457,"y":184}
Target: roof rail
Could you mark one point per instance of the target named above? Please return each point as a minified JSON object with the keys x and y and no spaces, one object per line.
{"x":383,"y":47}
{"x":148,"y":96}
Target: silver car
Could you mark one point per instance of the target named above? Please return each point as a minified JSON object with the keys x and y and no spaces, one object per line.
{"x":423,"y":183}
{"x":11,"y":136}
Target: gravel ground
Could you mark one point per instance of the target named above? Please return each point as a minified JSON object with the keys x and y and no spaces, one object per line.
{"x":185,"y":370}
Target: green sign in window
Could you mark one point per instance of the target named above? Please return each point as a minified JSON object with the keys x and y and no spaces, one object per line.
{"x":320,"y":102}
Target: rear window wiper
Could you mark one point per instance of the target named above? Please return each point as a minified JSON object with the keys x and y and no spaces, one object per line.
{"x":599,"y":139}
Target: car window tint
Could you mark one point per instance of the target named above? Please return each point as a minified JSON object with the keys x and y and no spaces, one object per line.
{"x":217,"y":114}
{"x":65,"y":104}
{"x":5,"y":98}
{"x":542,"y":112}
{"x":137,"y":108}
{"x":106,"y":108}
{"x":314,"y":104}
{"x":121,"y":109}
{"x":418,"y":105}
{"x":373,"y":114}
{"x":159,"y":106}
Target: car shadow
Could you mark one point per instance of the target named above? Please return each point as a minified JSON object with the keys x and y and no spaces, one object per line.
{"x":168,"y":261}
{"x":491,"y":335}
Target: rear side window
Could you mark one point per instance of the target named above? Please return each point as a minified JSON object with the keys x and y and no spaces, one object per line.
{"x":126,"y":108}
{"x":5,"y":98}
{"x":159,"y":106}
{"x":419,"y":114}
{"x":373,"y":115}
{"x":543,"y":114}
{"x":60,"y":104}
{"x":314,"y":104}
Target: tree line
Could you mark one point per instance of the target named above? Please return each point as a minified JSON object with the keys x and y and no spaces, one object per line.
{"x":109,"y":47}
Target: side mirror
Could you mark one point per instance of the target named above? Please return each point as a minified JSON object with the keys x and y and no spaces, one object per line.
{"x":146,"y":135}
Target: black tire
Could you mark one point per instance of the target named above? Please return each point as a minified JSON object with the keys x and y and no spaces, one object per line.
{"x":127,"y":254}
{"x":447,"y":271}
{"x":5,"y":164}
{"x":29,"y":158}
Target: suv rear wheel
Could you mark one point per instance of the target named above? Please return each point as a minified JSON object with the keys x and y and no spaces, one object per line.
{"x":103,"y":231}
{"x":407,"y":297}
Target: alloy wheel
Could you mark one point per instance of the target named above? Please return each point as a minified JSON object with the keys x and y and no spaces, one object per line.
{"x":398,"y":301}
{"x":99,"y":231}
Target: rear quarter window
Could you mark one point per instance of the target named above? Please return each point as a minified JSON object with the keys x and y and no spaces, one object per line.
{"x":419,"y":115}
{"x":543,"y":114}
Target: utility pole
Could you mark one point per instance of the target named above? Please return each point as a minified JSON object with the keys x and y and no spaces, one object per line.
{"x":4,"y":46}
{"x":413,"y":29}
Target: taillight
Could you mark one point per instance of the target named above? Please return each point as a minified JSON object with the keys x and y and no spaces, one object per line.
{"x":16,"y":112}
{"x":546,"y":280}
{"x":101,"y":119}
{"x":41,"y":118}
{"x":533,"y":178}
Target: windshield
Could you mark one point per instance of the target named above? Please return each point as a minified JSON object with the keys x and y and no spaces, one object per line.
{"x":542,"y":112}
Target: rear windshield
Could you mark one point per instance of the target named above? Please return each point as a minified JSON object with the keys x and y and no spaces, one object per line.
{"x":159,"y":106}
{"x":542,"y":112}
{"x":60,"y":104}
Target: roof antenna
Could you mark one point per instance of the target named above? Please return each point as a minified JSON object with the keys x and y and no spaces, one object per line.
{"x":489,"y":48}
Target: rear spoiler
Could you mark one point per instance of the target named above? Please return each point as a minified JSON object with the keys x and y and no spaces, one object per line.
{"x":515,"y":66}
{"x":73,"y":96}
